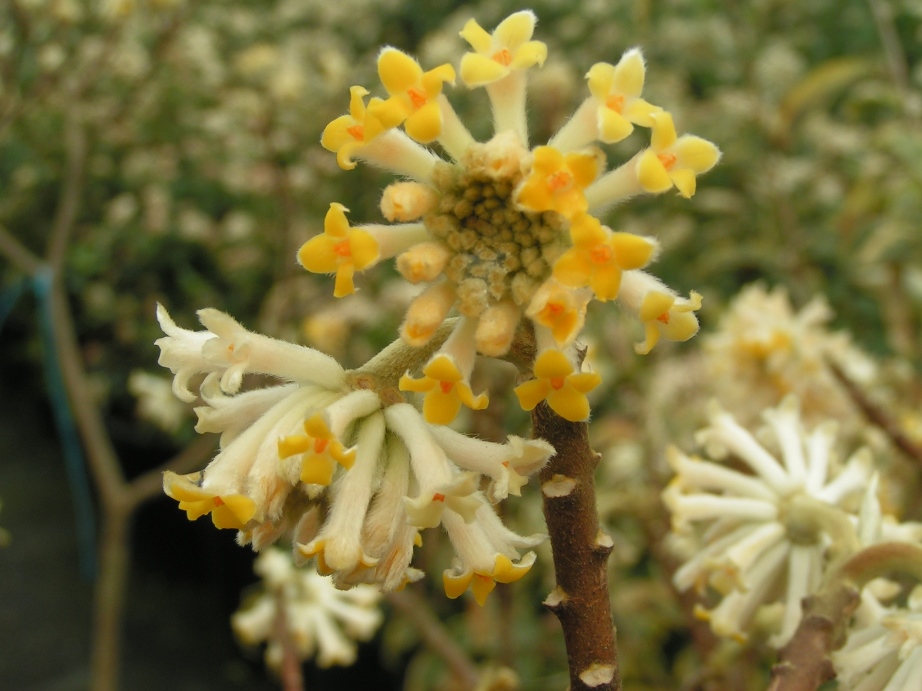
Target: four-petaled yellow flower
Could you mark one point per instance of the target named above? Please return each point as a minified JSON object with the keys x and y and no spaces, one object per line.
{"x":340,"y":249}
{"x":414,"y":95}
{"x":617,"y":89}
{"x":557,"y":181}
{"x":348,"y":133}
{"x":560,"y":384}
{"x":482,"y":584}
{"x":599,"y":256}
{"x":672,"y":160}
{"x":232,"y":511}
{"x":667,"y":316}
{"x":321,"y":449}
{"x":508,"y":48}
{"x":446,"y":388}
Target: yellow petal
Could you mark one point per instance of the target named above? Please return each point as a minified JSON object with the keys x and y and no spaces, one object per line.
{"x":684,"y":181}
{"x":663,"y":135}
{"x":652,"y":174}
{"x":398,"y":71}
{"x":681,"y":326}
{"x":425,"y":125}
{"x":421,"y":385}
{"x":584,"y":167}
{"x":443,"y":368}
{"x":335,"y":223}
{"x":391,"y":112}
{"x":629,"y":74}
{"x":344,"y":284}
{"x":631,"y":251}
{"x":241,"y":509}
{"x":606,"y":283}
{"x":641,"y":113}
{"x":654,"y":304}
{"x":479,"y":39}
{"x":696,"y":153}
{"x":504,"y":571}
{"x":441,"y":408}
{"x":584,"y":382}
{"x":317,"y":469}
{"x":456,"y":585}
{"x":546,"y":160}
{"x":482,"y":586}
{"x":600,"y":78}
{"x":531,"y":393}
{"x":534,"y":195}
{"x":468,"y":398}
{"x":552,"y":363}
{"x":479,"y":70}
{"x":529,"y":54}
{"x":569,"y":404}
{"x":336,"y":134}
{"x":364,"y":248}
{"x":515,"y":29}
{"x":572,"y":269}
{"x":317,"y":255}
{"x":651,"y":333}
{"x":183,"y":487}
{"x":613,"y":127}
{"x":293,"y":444}
{"x":587,"y":232}
{"x":433,"y":79}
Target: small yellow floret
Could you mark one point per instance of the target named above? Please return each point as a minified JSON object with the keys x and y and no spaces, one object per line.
{"x":557,"y":382}
{"x":445,"y":388}
{"x":320,"y":451}
{"x":348,"y":133}
{"x":598,"y":257}
{"x":664,"y":315}
{"x":557,"y":181}
{"x":507,"y":49}
{"x":232,"y":511}
{"x":482,"y":584}
{"x":340,"y":249}
{"x":413,"y":95}
{"x":674,"y":161}
{"x":617,"y":89}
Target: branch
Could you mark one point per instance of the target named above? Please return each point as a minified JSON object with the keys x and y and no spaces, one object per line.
{"x":877,"y":416}
{"x":434,"y":635}
{"x":150,"y":484}
{"x":18,"y":254}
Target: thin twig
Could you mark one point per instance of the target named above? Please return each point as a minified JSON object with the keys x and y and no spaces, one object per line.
{"x":290,"y":673}
{"x":897,"y":64}
{"x":434,"y":635}
{"x":877,"y":416}
{"x":18,"y":254}
{"x":150,"y":484}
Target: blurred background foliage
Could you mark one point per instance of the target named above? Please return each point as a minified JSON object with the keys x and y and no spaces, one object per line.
{"x":191,"y":130}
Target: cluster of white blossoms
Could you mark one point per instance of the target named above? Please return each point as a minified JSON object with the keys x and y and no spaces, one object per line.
{"x":319,"y":619}
{"x":340,"y":463}
{"x":766,"y":528}
{"x":501,"y":231}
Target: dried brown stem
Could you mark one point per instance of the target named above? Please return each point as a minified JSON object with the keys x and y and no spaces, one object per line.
{"x":877,"y":416}
{"x":580,"y":600}
{"x":434,"y":635}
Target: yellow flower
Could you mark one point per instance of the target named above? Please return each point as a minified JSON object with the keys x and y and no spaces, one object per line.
{"x":482,"y":584}
{"x":321,"y":449}
{"x":340,"y":249}
{"x":599,"y":256}
{"x":557,"y":381}
{"x":508,"y":48}
{"x":672,"y":160}
{"x":232,"y":511}
{"x":617,"y":89}
{"x":414,"y":95}
{"x":347,"y":133}
{"x":667,"y":316}
{"x":560,"y":309}
{"x":446,"y":388}
{"x":557,"y":181}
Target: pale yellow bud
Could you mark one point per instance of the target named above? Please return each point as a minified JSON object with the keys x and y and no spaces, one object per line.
{"x":423,"y":262}
{"x":496,"y":328}
{"x":407,"y":201}
{"x":426,"y":313}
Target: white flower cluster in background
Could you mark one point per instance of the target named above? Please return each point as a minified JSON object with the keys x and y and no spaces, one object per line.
{"x":299,"y":604}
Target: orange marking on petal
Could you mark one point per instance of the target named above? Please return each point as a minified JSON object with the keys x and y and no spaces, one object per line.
{"x":615,"y":102}
{"x":555,"y":308}
{"x":601,"y":254}
{"x":357,"y":132}
{"x":342,"y":249}
{"x":557,"y":382}
{"x":320,"y":445}
{"x":417,"y":97}
{"x":485,"y":579}
{"x":668,"y":160}
{"x":438,"y":497}
{"x":560,"y":181}
{"x":664,"y":317}
{"x":505,"y":464}
{"x":503,"y":57}
{"x":218,"y":501}
{"x":446,"y":386}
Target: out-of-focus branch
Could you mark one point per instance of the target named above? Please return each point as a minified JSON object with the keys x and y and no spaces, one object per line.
{"x":434,"y":635}
{"x":18,"y":254}
{"x":877,"y":416}
{"x":150,"y":484}
{"x":897,"y":64}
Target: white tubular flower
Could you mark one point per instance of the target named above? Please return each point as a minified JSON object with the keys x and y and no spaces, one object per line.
{"x":766,"y":532}
{"x":322,"y":622}
{"x":885,"y":655}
